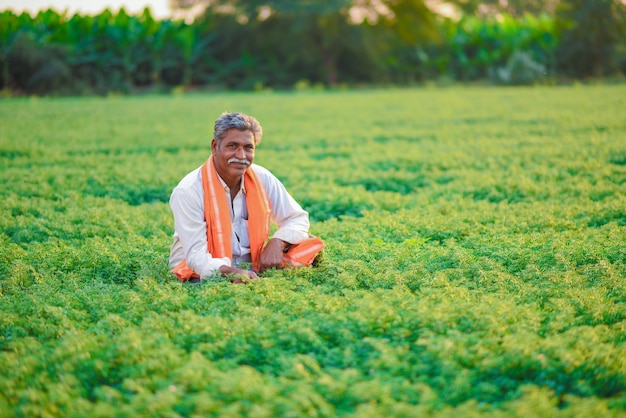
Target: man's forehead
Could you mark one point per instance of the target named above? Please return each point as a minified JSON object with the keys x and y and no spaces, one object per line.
{"x":235,"y":135}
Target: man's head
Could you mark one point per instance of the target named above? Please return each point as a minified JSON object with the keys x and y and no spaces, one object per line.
{"x":240,"y":121}
{"x":234,"y":140}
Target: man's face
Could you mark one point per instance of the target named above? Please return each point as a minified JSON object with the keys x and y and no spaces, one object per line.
{"x":233,"y":155}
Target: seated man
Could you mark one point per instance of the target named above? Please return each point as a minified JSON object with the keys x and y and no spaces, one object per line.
{"x":222,"y":212}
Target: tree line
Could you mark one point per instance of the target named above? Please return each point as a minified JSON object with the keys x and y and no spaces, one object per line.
{"x":298,"y":44}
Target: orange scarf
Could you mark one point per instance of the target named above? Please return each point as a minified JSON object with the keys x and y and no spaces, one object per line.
{"x":219,"y":223}
{"x":217,"y":214}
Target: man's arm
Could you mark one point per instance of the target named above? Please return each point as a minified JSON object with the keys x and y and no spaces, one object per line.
{"x":288,"y":215}
{"x":190,"y":229}
{"x":272,"y":254}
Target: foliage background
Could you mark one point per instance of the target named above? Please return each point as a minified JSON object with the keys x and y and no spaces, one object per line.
{"x":537,"y":42}
{"x":474,"y":264}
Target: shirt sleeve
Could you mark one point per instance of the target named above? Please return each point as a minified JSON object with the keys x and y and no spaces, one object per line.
{"x":287,"y":214}
{"x":190,"y":228}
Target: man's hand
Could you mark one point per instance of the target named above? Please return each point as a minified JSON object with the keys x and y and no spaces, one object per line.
{"x":236,"y":275}
{"x":272,"y":255}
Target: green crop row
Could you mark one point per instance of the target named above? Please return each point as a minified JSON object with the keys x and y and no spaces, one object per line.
{"x":474,"y":264}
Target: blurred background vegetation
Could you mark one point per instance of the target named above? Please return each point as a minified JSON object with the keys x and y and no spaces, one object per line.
{"x":305,"y":44}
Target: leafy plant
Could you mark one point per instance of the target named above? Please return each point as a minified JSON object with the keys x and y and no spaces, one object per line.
{"x":474,"y":257}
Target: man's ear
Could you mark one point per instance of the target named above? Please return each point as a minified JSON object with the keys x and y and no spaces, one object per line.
{"x":213,"y":145}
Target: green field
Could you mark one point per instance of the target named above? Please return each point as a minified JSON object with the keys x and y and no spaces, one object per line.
{"x":475,"y":261}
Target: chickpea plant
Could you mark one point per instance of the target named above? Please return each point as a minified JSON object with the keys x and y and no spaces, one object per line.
{"x":474,"y":264}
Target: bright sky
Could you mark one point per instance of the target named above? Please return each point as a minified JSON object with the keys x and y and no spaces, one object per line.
{"x":159,"y":8}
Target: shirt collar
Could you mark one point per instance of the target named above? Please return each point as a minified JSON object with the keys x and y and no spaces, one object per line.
{"x":242,"y":187}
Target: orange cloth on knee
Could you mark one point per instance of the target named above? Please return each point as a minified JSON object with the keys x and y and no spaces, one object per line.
{"x":304,"y":253}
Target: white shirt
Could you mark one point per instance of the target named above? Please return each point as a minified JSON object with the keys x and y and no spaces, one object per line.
{"x":190,"y":241}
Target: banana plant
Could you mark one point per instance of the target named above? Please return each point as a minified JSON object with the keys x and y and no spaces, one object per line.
{"x":193,"y":44}
{"x":157,"y":36}
{"x":125,"y":34}
{"x":478,"y":44}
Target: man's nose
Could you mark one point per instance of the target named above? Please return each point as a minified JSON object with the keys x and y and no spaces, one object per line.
{"x":241,"y":154}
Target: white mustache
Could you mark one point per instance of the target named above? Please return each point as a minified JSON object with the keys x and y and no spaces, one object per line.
{"x":237,"y":160}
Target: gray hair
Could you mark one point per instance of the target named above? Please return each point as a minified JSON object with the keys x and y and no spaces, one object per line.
{"x":239,"y":121}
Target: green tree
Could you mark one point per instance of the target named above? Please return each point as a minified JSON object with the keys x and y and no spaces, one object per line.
{"x":10,"y":25}
{"x":326,"y":28}
{"x":31,"y":57}
{"x":592,"y":33}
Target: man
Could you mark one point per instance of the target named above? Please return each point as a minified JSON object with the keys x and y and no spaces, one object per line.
{"x":222,"y":212}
